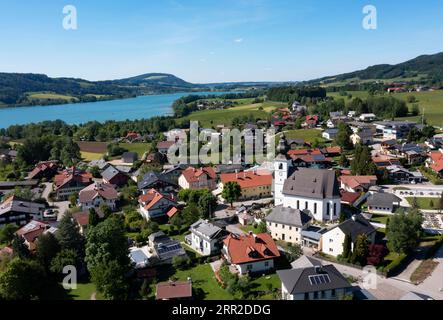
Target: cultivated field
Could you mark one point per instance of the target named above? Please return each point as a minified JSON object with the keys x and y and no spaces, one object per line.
{"x":50,"y":96}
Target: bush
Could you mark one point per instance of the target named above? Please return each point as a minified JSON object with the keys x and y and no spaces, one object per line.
{"x":181,"y":262}
{"x":395,"y":265}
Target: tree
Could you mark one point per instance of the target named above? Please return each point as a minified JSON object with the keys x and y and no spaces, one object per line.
{"x":107,"y":257}
{"x":95,"y":171}
{"x":294,"y":251}
{"x":7,"y":233}
{"x":343,"y":161}
{"x":106,"y":210}
{"x":19,"y":248}
{"x":67,"y":257}
{"x":69,"y":236}
{"x":343,"y":138}
{"x":347,"y":247}
{"x":22,"y":280}
{"x":93,"y":218}
{"x":181,"y":262}
{"x":362,"y":164}
{"x":73,"y":199}
{"x":404,"y":231}
{"x":415,"y":111}
{"x":207,"y":204}
{"x":231,"y":192}
{"x":376,"y":253}
{"x":342,"y":218}
{"x":262,"y":227}
{"x":415,"y":203}
{"x":47,"y":249}
{"x":360,"y":252}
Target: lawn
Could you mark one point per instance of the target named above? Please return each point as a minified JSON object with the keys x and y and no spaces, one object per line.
{"x":89,"y":156}
{"x":424,"y":203}
{"x":379,"y":219}
{"x":93,"y":147}
{"x":205,"y":285}
{"x":308,"y":135}
{"x":50,"y":96}
{"x":84,"y":291}
{"x":423,"y":271}
{"x":139,"y":148}
{"x":212,"y":118}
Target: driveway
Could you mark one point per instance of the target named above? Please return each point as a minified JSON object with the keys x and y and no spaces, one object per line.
{"x":434,"y":283}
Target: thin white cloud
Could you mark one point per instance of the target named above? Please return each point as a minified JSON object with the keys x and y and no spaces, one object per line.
{"x":239,"y":40}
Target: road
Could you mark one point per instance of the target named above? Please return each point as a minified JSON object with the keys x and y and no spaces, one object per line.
{"x":222,"y":210}
{"x":60,"y":206}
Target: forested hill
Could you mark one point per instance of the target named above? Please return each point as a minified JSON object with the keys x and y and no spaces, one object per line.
{"x":18,"y":89}
{"x":426,"y":68}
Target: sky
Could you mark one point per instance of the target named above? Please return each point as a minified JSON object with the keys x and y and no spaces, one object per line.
{"x":206,"y":41}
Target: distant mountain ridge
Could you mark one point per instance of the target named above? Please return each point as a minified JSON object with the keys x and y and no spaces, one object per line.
{"x":426,"y":67}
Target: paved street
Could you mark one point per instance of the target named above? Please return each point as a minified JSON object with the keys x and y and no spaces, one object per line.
{"x":60,"y":206}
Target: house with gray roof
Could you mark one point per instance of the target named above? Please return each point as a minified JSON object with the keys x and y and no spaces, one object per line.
{"x":163,"y":249}
{"x":206,"y":238}
{"x":113,"y":176}
{"x":333,"y":239}
{"x":286,"y":224}
{"x":383,"y":203}
{"x":157,"y":181}
{"x":305,"y":262}
{"x":313,"y":283}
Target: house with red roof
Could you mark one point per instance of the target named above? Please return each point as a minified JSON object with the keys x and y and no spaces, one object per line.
{"x":310,"y":122}
{"x":435,"y":162}
{"x":44,"y":170}
{"x":357,"y":183}
{"x":163,"y":146}
{"x":153,"y":204}
{"x":253,"y":184}
{"x":71,"y":181}
{"x":198,"y":178}
{"x":96,"y":194}
{"x":32,"y":230}
{"x":133,"y":136}
{"x":250,"y":253}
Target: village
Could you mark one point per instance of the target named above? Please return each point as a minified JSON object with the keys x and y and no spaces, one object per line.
{"x":300,"y":227}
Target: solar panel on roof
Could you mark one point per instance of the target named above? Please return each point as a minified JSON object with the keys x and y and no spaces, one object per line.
{"x":319,"y":279}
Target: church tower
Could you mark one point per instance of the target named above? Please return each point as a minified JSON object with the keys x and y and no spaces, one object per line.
{"x":282,"y":163}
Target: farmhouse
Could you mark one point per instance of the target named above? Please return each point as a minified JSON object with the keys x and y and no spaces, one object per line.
{"x":71,"y":181}
{"x":19,"y":211}
{"x":196,"y":179}
{"x":254,"y":185}
{"x":153,"y":204}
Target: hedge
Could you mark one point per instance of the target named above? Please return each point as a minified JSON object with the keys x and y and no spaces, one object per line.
{"x":435,"y":247}
{"x":395,"y":265}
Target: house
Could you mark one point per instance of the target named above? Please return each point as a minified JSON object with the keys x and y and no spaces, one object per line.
{"x":400,"y":174}
{"x":383,"y":203}
{"x":435,"y":162}
{"x":206,"y":238}
{"x":310,"y":122}
{"x":362,"y":137}
{"x":253,"y":184}
{"x":97,"y":194}
{"x":250,"y":253}
{"x":196,"y":179}
{"x":163,"y":249}
{"x":307,"y":158}
{"x":163,"y":146}
{"x":19,"y":211}
{"x":357,"y":126}
{"x":330,"y":134}
{"x":44,"y":170}
{"x":71,"y":181}
{"x":173,"y":172}
{"x":333,"y":239}
{"x":313,"y":283}
{"x":174,"y":290}
{"x":395,"y":130}
{"x":129,"y":157}
{"x":157,"y":181}
{"x":82,"y":219}
{"x":228,"y":168}
{"x":367,"y":117}
{"x":286,"y":224}
{"x":305,"y":262}
{"x":153,"y":204}
{"x":413,"y":153}
{"x":32,"y":230}
{"x":113,"y":176}
{"x":133,"y":136}
{"x":357,"y":183}
{"x":349,"y":198}
{"x":381,"y":162}
{"x":100,"y":164}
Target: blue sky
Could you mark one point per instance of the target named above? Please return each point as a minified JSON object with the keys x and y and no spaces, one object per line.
{"x":214,"y":40}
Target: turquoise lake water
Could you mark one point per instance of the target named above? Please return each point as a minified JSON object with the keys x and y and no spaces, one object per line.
{"x":134,"y":108}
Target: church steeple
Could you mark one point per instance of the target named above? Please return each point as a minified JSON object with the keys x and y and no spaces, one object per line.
{"x":283,"y":147}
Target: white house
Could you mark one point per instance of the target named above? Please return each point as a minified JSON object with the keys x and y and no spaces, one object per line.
{"x":250,"y":253}
{"x":206,"y":238}
{"x":195,"y":179}
{"x":367,"y":117}
{"x":383,"y":203}
{"x":333,"y":239}
{"x":153,"y":204}
{"x":96,"y":194}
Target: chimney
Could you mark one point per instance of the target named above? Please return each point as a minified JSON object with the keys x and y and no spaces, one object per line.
{"x":317,"y":269}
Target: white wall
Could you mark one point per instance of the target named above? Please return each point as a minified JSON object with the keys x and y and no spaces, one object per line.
{"x":332,"y":242}
{"x":258,"y":266}
{"x":321,"y":214}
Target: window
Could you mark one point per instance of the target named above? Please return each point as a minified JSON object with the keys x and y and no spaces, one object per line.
{"x":282,"y":226}
{"x":328,"y":209}
{"x":280,"y":167}
{"x":267,"y":264}
{"x":290,"y":228}
{"x":306,"y":205}
{"x":331,"y":250}
{"x":335,"y":209}
{"x":315,"y":295}
{"x":333,"y":292}
{"x":331,"y":240}
{"x":323,"y":294}
{"x":276,"y":225}
{"x":249,"y":267}
{"x":306,"y":295}
{"x":298,"y":204}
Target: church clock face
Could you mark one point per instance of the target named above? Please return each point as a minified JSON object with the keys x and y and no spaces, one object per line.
{"x":281,"y":174}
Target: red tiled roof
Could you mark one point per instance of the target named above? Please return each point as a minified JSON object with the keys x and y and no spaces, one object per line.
{"x":250,"y":248}
{"x":149,"y":199}
{"x":174,"y":290}
{"x":69,"y":175}
{"x":172,"y":212}
{"x":355,"y":181}
{"x":247,"y":179}
{"x":105,"y":190}
{"x":165,"y":144}
{"x":82,"y":218}
{"x":349,"y":197}
{"x":437,"y":161}
{"x":192,"y":174}
{"x":43,"y":166}
{"x":32,"y":230}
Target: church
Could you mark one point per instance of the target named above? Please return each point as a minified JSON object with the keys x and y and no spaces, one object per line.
{"x":313,"y":190}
